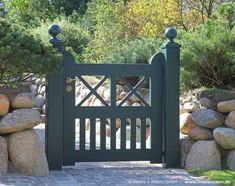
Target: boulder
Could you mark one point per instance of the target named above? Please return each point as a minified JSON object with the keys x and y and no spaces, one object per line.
{"x":185,"y":146}
{"x":27,"y":154}
{"x":38,"y":81}
{"x":226,"y":106}
{"x":206,"y":102}
{"x":214,"y":96}
{"x":43,"y":118}
{"x":107,"y":129}
{"x":42,"y":89}
{"x":118,"y":123}
{"x":147,"y":122}
{"x":98,"y":103}
{"x":191,"y":106}
{"x":148,"y":132}
{"x":208,"y":118}
{"x":18,"y":120}
{"x":182,"y":111}
{"x":79,"y":89}
{"x":225,"y":137}
{"x":183,"y":136}
{"x":12,"y":168}
{"x":123,"y":94}
{"x":125,"y":104}
{"x":12,"y":92}
{"x":136,"y":104}
{"x":128,"y":133}
{"x":134,"y":98}
{"x":119,"y":90}
{"x":190,"y":97}
{"x":230,"y":120}
{"x":147,"y":98}
{"x":186,"y":123}
{"x":204,"y":155}
{"x":148,"y":142}
{"x":200,"y":133}
{"x":231,"y":160}
{"x":3,"y":156}
{"x":39,"y":101}
{"x":143,"y":91}
{"x":4,"y":104}
{"x":107,"y":95}
{"x":101,"y":90}
{"x":84,"y":93}
{"x":23,"y":100}
{"x":44,"y":109}
{"x":34,"y":89}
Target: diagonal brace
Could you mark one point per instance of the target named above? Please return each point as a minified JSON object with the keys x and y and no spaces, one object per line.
{"x":92,"y":91}
{"x":133,"y":91}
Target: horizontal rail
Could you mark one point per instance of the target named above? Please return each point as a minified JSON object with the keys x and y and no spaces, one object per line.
{"x":113,"y":112}
{"x":113,"y":69}
{"x":116,"y":155}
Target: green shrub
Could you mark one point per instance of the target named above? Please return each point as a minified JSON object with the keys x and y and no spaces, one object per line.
{"x":30,"y":12}
{"x":21,"y":52}
{"x":104,"y":19}
{"x":208,"y":55}
{"x":74,"y":36}
{"x":136,"y":51}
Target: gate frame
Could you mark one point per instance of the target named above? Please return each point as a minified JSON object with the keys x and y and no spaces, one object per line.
{"x":54,"y":124}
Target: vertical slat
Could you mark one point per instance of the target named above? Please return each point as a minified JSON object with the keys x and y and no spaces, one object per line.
{"x":143,"y":133}
{"x":92,"y":134}
{"x":133,"y":133}
{"x":113,"y":133}
{"x":123,"y":133}
{"x":54,"y":140}
{"x":113,"y":91}
{"x":82,"y":134}
{"x":102,"y":134}
{"x":156,"y":84}
{"x":69,"y":117}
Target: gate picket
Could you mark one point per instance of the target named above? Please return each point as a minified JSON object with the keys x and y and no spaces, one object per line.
{"x":123,"y":133}
{"x":143,"y":133}
{"x":102,"y":134}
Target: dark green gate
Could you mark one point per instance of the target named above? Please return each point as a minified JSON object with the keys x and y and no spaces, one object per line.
{"x":68,"y":141}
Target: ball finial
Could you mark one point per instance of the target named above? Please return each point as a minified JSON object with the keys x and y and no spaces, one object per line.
{"x":171,"y":33}
{"x":54,"y":30}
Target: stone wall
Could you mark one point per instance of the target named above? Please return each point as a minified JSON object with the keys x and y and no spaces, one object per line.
{"x":21,"y":110}
{"x":207,"y":126}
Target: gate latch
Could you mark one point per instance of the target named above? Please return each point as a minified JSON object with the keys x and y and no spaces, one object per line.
{"x":69,"y":80}
{"x":69,"y":87}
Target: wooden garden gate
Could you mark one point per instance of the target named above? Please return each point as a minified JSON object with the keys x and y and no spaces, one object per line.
{"x":68,"y":141}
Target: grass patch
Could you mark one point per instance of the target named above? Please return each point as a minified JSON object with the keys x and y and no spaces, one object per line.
{"x":215,"y":175}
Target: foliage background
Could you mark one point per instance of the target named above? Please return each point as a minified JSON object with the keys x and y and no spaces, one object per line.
{"x":123,"y":31}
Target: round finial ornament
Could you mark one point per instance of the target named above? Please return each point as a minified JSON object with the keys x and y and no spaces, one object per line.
{"x":54,"y":30}
{"x":171,"y":33}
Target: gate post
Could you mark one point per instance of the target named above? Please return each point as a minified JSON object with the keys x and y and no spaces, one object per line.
{"x":171,"y":51}
{"x":54,"y":125}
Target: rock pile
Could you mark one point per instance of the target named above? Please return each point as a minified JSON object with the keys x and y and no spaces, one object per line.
{"x":20,"y":146}
{"x":207,"y":126}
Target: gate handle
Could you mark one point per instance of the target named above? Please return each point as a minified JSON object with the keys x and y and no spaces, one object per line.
{"x":69,"y":80}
